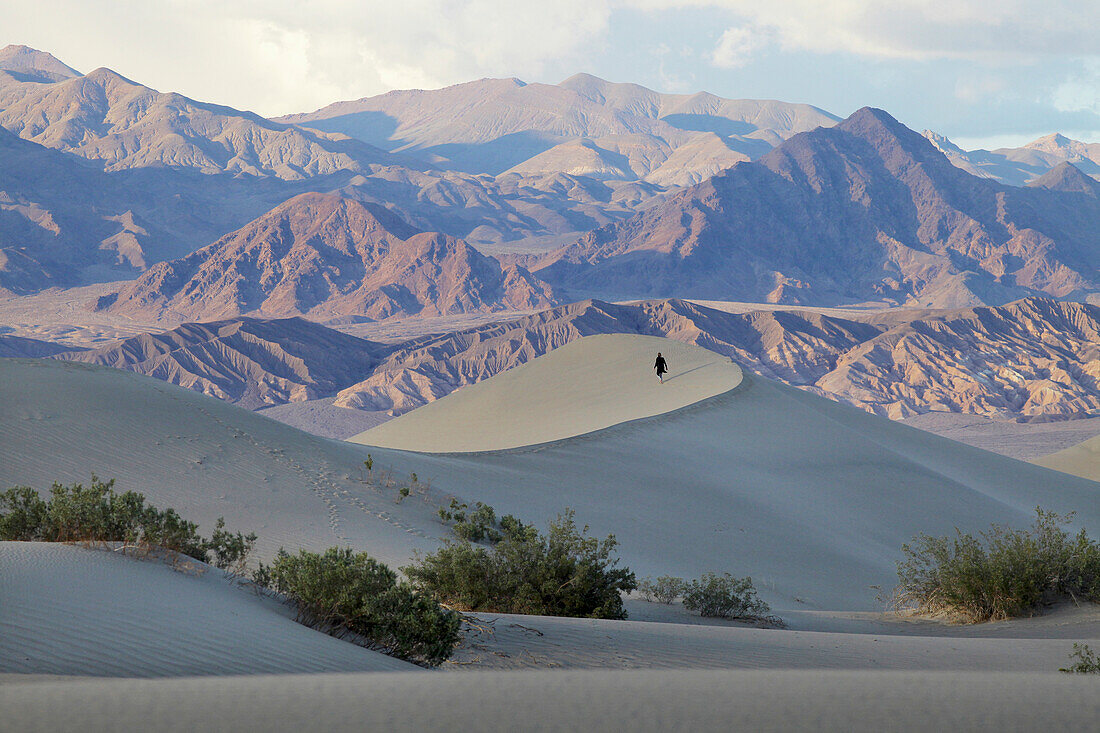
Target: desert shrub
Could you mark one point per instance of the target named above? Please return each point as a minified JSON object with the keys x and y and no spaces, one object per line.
{"x":562,"y":573}
{"x":96,"y":513}
{"x":342,"y":591}
{"x":1086,"y":660}
{"x":227,"y":550}
{"x":1002,"y":573}
{"x":724,"y":596}
{"x":664,"y":589}
{"x":479,"y":524}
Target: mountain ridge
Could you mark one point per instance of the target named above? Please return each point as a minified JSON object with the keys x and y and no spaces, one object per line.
{"x":325,"y":254}
{"x":867,"y":210}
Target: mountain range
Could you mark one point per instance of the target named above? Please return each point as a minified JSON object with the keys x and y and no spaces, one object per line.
{"x":583,"y":126}
{"x":253,"y":363}
{"x":326,"y":256}
{"x":151,"y":176}
{"x":1035,"y":359}
{"x":1019,"y":166}
{"x":867,"y":210}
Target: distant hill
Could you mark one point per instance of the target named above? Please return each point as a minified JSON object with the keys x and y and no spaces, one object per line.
{"x":494,"y":125}
{"x":105,"y":117}
{"x":253,"y":363}
{"x":64,"y":222}
{"x":1022,"y":165}
{"x":1033,"y":359}
{"x":327,"y":255}
{"x":867,"y":210}
{"x":21,"y":63}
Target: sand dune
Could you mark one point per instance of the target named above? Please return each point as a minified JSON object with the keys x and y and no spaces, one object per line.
{"x":812,"y":498}
{"x":567,"y":701}
{"x":657,"y":636}
{"x":76,"y":611}
{"x":1082,"y":459}
{"x":204,"y":457}
{"x":587,"y":385}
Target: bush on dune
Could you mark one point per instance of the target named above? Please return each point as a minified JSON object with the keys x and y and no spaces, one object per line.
{"x":1085,"y":661}
{"x":97,"y":513}
{"x":342,"y":591}
{"x":725,"y":596}
{"x":1003,"y":573}
{"x":665,"y":589}
{"x":563,"y":573}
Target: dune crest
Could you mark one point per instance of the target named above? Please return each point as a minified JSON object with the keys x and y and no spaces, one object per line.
{"x":585,"y":386}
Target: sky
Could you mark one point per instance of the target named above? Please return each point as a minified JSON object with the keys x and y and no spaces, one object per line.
{"x":985,"y":73}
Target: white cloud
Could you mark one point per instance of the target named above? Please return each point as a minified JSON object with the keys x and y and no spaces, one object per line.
{"x":975,"y":89}
{"x":1080,"y":92}
{"x":277,"y":56}
{"x":736,"y":46}
{"x":918,"y":29}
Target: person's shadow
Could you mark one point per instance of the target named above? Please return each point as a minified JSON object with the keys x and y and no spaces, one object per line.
{"x":670,"y":377}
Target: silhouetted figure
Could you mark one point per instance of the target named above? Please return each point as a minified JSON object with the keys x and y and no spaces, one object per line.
{"x":661,"y":368}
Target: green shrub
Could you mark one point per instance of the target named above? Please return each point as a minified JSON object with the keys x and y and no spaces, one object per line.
{"x":665,"y":589}
{"x":479,"y":525}
{"x":724,"y":596}
{"x":1003,"y":573}
{"x":563,"y":573}
{"x":97,"y":513}
{"x":229,"y":551}
{"x":1087,"y":661}
{"x":343,"y":591}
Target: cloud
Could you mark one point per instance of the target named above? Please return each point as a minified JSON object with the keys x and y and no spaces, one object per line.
{"x":1081,"y":92}
{"x":999,"y":30}
{"x":975,"y":89}
{"x":278,"y":56}
{"x":736,"y":46}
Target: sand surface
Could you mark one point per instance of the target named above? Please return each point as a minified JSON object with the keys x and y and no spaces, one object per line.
{"x":568,"y":701}
{"x":205,"y":458}
{"x":670,"y":637}
{"x":325,"y":419}
{"x":1082,"y":460}
{"x":811,"y":498}
{"x":584,"y":386}
{"x":77,"y":611}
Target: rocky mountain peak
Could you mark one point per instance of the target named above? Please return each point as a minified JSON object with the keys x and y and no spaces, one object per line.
{"x":1067,"y":177}
{"x":28,"y":64}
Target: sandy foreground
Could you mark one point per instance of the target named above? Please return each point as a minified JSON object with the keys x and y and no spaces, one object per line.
{"x":598,"y":701}
{"x":68,"y":610}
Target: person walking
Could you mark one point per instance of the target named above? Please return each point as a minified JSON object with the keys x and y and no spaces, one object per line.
{"x":661,"y":367}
